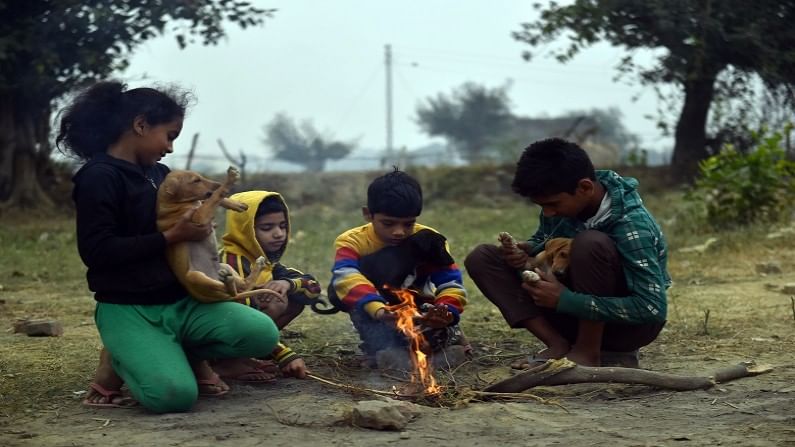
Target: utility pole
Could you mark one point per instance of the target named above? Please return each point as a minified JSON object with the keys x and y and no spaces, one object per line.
{"x":388,"y":67}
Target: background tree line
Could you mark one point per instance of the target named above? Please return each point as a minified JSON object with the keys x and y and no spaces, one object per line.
{"x":731,"y":63}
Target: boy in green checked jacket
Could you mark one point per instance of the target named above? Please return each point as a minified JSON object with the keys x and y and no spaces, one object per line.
{"x":612,"y":299}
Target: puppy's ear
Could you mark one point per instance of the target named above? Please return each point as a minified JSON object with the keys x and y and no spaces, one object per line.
{"x":557,"y":244}
{"x":169,"y":187}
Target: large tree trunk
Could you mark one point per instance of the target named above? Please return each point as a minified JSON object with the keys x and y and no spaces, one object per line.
{"x":691,"y":129}
{"x":24,"y":152}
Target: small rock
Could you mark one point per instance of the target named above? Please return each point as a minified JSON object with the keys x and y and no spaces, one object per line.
{"x":43,"y":327}
{"x":768,"y":268}
{"x":404,"y":435}
{"x":788,"y":289}
{"x":382,"y":415}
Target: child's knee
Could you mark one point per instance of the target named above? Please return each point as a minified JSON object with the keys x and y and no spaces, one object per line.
{"x":592,"y":245}
{"x":169,"y":394}
{"x":258,"y":335}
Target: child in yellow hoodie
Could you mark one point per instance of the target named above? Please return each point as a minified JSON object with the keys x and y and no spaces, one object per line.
{"x":264,"y":230}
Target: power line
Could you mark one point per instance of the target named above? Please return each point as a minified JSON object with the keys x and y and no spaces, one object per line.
{"x":491,"y":59}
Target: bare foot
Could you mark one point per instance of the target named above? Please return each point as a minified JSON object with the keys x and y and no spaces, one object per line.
{"x":246,"y":370}
{"x":208,"y":381}
{"x":106,"y":379}
{"x":552,"y":352}
{"x":584,"y":358}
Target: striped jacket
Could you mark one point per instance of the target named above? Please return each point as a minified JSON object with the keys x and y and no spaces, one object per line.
{"x":355,"y":290}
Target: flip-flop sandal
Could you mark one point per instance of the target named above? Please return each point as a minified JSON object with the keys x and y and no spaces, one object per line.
{"x":109,"y":396}
{"x":214,"y":380}
{"x":267,"y":366}
{"x":253,"y":375}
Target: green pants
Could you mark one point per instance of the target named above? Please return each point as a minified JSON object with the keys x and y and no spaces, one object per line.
{"x":151,"y":345}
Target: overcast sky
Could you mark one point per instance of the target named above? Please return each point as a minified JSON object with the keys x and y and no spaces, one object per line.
{"x":324,"y":61}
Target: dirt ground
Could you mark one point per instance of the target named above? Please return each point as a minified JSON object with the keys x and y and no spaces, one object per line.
{"x":755,"y":411}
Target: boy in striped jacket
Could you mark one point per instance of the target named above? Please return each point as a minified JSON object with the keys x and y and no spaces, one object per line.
{"x":393,"y":251}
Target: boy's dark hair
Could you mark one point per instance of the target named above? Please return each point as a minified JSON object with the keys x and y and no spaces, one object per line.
{"x":270,"y":204}
{"x":395,"y":194}
{"x":99,"y":115}
{"x":551,"y":166}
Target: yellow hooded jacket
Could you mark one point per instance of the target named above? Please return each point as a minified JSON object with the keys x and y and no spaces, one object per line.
{"x":241,"y":248}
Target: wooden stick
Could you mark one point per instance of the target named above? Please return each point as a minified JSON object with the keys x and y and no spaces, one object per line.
{"x":350,"y":387}
{"x":561,"y":372}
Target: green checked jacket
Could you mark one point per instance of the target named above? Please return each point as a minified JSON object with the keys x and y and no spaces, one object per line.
{"x":641,"y":246}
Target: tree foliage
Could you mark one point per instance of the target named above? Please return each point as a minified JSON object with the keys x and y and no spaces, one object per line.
{"x":469,"y":118}
{"x":738,"y":189}
{"x":49,"y":48}
{"x":303,"y":144}
{"x":697,"y":42}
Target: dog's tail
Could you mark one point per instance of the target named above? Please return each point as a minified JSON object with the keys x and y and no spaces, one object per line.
{"x":324,"y":307}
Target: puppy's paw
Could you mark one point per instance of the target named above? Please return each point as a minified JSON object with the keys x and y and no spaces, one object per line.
{"x":261,"y":261}
{"x":530,"y":276}
{"x":232,"y":174}
{"x":238,"y":206}
{"x":225,"y":275}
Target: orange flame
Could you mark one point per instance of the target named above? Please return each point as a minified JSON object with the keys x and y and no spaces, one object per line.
{"x":406,"y":312}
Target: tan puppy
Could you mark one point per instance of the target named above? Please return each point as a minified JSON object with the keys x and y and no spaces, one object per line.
{"x":554,"y":258}
{"x":196,"y":263}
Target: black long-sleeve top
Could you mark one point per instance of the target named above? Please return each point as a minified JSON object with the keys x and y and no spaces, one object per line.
{"x":117,"y":235}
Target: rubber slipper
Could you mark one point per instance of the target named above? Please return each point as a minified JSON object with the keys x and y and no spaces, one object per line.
{"x":214,"y":380}
{"x":109,"y":396}
{"x":253,"y":375}
{"x":267,"y":366}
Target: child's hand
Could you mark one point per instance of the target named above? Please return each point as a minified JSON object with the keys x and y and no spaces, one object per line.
{"x":279,"y":286}
{"x":296,"y":368}
{"x":516,"y":258}
{"x":185,"y":230}
{"x":546,"y":291}
{"x":385,"y":316}
{"x":437,"y":317}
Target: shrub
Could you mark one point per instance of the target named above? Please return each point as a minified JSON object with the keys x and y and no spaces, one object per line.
{"x":739,"y":189}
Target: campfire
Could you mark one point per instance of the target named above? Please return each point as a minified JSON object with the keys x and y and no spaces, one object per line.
{"x":408,"y":322}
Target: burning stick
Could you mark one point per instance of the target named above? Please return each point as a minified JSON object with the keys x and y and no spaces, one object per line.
{"x":406,"y":312}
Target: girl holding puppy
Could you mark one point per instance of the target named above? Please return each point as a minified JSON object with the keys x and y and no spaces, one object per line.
{"x":156,"y":337}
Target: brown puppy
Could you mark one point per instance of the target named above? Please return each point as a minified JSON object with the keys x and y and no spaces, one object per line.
{"x":554,"y":258}
{"x":196,"y":263}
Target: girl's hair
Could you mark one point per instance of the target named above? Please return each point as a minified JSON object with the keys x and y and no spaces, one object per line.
{"x":100,"y":114}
